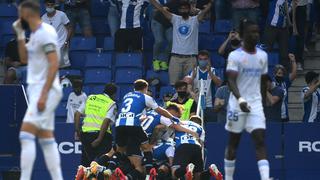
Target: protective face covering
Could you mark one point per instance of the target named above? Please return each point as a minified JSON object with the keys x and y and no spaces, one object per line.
{"x":24,"y":24}
{"x":279,"y":78}
{"x":50,"y":10}
{"x":203,"y":63}
{"x":182,"y":94}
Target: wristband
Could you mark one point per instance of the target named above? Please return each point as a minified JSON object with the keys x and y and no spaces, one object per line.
{"x":241,"y":100}
{"x":21,"y":36}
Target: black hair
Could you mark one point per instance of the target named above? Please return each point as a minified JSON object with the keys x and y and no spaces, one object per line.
{"x":204,"y":53}
{"x":50,"y":1}
{"x":184,"y":3}
{"x":244,"y":24}
{"x":279,"y":66}
{"x":140,"y":84}
{"x":174,"y":107}
{"x":180,"y":84}
{"x":310,"y":76}
{"x":32,"y":5}
{"x":196,"y":119}
{"x":110,"y":89}
{"x":77,"y":82}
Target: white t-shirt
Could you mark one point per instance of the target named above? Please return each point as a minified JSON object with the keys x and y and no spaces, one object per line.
{"x":74,"y":103}
{"x":58,"y":21}
{"x":38,"y":64}
{"x":250,"y":67}
{"x":207,"y":83}
{"x":185,"y":35}
{"x":111,"y":114}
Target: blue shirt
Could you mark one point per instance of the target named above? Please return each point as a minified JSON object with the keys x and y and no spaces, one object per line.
{"x":277,"y":16}
{"x":284,"y":85}
{"x":311,"y":106}
{"x":132,"y":107}
{"x":185,"y":138}
{"x":132,"y":13}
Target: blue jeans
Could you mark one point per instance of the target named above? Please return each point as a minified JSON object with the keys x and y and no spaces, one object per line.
{"x":113,"y":20}
{"x":160,"y":35}
{"x":250,"y":14}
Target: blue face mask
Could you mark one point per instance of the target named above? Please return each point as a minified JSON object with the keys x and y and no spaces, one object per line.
{"x":203,"y":63}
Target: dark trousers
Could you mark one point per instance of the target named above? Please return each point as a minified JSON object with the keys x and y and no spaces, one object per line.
{"x":301,"y":19}
{"x":90,"y":153}
{"x":128,"y":40}
{"x":281,"y":36}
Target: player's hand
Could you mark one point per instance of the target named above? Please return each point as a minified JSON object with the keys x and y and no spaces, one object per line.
{"x":19,"y":30}
{"x":42,"y":102}
{"x":292,"y":57}
{"x":96,"y":143}
{"x":244,"y":107}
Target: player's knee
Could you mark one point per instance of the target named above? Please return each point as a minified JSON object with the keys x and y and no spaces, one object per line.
{"x":26,"y":136}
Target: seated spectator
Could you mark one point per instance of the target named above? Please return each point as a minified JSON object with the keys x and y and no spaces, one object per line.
{"x":61,"y":23}
{"x":311,"y":98}
{"x":78,"y":12}
{"x":75,"y":99}
{"x":284,"y":81}
{"x":15,"y":69}
{"x":272,"y":106}
{"x":277,"y":28}
{"x":204,"y":72}
{"x":221,"y":102}
{"x":129,"y":36}
{"x":232,"y":43}
{"x":245,"y":9}
{"x":183,"y":98}
{"x":185,"y":38}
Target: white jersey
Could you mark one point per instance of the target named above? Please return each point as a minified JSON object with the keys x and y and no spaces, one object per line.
{"x":74,"y":103}
{"x":58,"y":21}
{"x":38,"y":64}
{"x":250,"y":67}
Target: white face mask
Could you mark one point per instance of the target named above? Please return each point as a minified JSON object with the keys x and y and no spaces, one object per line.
{"x":50,"y":10}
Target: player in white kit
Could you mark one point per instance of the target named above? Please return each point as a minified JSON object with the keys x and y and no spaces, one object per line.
{"x":44,"y":90}
{"x":247,"y":69}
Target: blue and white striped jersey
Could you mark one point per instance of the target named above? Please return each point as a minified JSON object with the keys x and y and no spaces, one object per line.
{"x":132,"y":107}
{"x":278,"y":11}
{"x":185,"y":138}
{"x":153,"y":120}
{"x":311,"y":106}
{"x":132,"y":13}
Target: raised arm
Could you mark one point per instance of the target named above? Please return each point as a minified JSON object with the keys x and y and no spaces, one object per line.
{"x":162,"y":9}
{"x":293,"y":74}
{"x":23,"y":54}
{"x":205,"y":11}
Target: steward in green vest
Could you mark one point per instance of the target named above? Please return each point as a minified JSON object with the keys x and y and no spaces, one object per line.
{"x":99,"y":111}
{"x":187,"y":104}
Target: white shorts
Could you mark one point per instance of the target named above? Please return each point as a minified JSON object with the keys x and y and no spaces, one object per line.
{"x":237,"y":122}
{"x":43,"y":120}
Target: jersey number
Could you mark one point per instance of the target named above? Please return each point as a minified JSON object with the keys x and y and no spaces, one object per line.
{"x":146,"y":123}
{"x":232,"y":116}
{"x":127,"y":105}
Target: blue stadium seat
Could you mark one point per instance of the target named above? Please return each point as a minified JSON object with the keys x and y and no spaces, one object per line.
{"x":5,"y":39}
{"x":129,"y":60}
{"x":73,"y":72}
{"x":108,"y":44}
{"x":210,"y":42}
{"x":166,"y":90}
{"x":8,"y":10}
{"x":78,"y":59}
{"x":97,"y":76}
{"x":164,"y":77}
{"x":100,"y":26}
{"x":98,"y":60}
{"x":273,"y":58}
{"x":6,"y":27}
{"x":205,"y":27}
{"x":66,"y":93}
{"x":217,"y":61}
{"x":61,"y":110}
{"x":83,"y":44}
{"x":87,"y":89}
{"x":98,"y":8}
{"x":127,"y":75}
{"x":152,"y":74}
{"x":222,"y":26}
{"x":153,"y":89}
{"x":97,"y":89}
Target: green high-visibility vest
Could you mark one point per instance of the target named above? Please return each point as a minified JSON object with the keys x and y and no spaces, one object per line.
{"x":97,"y":107}
{"x":186,"y":109}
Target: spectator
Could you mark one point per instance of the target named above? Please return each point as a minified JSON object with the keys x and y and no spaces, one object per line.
{"x":278,"y":22}
{"x":311,"y":98}
{"x":245,"y":9}
{"x":205,"y":72}
{"x":75,"y":99}
{"x":221,"y":102}
{"x":274,"y":98}
{"x":232,"y":43}
{"x":183,"y":98}
{"x":300,"y":18}
{"x":15,"y":69}
{"x":77,"y":12}
{"x":284,"y":81}
{"x":61,"y":23}
{"x":129,"y":36}
{"x":114,"y":16}
{"x":185,"y":38}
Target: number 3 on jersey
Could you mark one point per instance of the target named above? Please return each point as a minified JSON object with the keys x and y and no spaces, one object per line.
{"x":127,"y":105}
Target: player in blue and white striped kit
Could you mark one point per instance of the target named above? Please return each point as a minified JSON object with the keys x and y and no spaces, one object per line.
{"x":129,"y":133}
{"x":188,"y":159}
